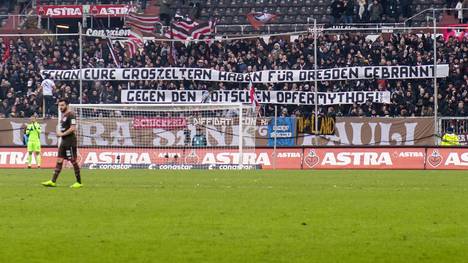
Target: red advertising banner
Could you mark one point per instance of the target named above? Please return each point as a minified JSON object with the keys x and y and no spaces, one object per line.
{"x":110,"y":10}
{"x":262,"y":158}
{"x":447,"y":158}
{"x":18,"y":157}
{"x":364,"y":158}
{"x":60,"y":11}
{"x":265,"y":158}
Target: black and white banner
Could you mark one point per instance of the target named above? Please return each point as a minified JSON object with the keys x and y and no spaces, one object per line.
{"x":243,"y":96}
{"x":266,"y":76}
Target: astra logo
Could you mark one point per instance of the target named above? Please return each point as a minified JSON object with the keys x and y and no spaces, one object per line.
{"x":116,"y":157}
{"x":235,"y":158}
{"x":289,"y":155}
{"x":312,"y":159}
{"x":357,"y":158}
{"x":411,"y":154}
{"x":63,"y":11}
{"x":457,"y":159}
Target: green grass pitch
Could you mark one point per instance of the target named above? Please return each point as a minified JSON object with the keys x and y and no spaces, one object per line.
{"x":235,"y":216}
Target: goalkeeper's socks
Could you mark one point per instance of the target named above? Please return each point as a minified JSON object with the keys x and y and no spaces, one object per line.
{"x":29,"y":159}
{"x":38,"y":159}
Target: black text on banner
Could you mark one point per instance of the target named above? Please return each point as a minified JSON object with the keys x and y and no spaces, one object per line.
{"x":266,"y":76}
{"x":263,"y":96}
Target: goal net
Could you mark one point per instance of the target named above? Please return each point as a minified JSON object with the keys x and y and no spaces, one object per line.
{"x":195,"y":136}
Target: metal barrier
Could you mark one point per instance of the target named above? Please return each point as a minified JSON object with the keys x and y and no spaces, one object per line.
{"x":459,"y":124}
{"x":430,"y":12}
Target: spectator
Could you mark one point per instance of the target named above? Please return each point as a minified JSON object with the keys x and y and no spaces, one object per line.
{"x":375,"y":12}
{"x":47,"y":88}
{"x":465,"y":11}
{"x":348,"y":11}
{"x":4,"y":108}
{"x":337,"y":9}
{"x":393,"y":10}
{"x":459,"y":8}
{"x":362,"y":13}
{"x":406,"y":8}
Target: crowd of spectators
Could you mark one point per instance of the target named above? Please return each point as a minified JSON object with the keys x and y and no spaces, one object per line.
{"x":20,"y":79}
{"x":369,"y":11}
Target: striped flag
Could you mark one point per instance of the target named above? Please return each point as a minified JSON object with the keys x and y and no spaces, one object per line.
{"x":112,"y":52}
{"x":183,"y":28}
{"x":144,"y":23}
{"x":204,"y":30}
{"x":135,"y":41}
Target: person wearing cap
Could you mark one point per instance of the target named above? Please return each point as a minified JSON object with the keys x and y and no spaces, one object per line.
{"x":450,"y":138}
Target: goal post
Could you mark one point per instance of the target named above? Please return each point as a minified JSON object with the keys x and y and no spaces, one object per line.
{"x":166,"y":136}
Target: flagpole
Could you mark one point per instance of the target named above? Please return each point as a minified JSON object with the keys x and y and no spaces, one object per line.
{"x":80,"y":34}
{"x":275,"y":131}
{"x":436,"y":88}
{"x":315,"y":79}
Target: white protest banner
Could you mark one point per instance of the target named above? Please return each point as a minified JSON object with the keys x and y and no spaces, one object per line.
{"x":266,"y":76}
{"x":243,"y":96}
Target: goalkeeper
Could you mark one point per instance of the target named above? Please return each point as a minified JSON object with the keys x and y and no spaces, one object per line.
{"x":33,"y":133}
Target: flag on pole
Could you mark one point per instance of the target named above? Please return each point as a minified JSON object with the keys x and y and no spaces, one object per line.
{"x":144,"y":23}
{"x":172,"y":57}
{"x":183,"y":28}
{"x":135,"y":41}
{"x":112,"y":52}
{"x":258,"y":19}
{"x":253,"y":98}
{"x":204,"y":30}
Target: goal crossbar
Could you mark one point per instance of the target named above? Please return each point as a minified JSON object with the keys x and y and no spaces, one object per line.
{"x":202,"y":136}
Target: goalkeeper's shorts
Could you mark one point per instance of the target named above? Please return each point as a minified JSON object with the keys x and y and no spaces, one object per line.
{"x":34,"y":146}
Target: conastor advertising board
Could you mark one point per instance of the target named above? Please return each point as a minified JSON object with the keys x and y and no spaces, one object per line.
{"x":261,"y":158}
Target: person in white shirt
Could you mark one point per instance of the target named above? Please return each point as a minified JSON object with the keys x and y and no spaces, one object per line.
{"x":47,"y":88}
{"x":459,"y":8}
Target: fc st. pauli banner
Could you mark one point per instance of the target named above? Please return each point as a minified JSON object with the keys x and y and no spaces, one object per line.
{"x":265,"y":76}
{"x":263,"y":96}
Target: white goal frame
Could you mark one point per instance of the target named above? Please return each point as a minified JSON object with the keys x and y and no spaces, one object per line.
{"x":178,"y":107}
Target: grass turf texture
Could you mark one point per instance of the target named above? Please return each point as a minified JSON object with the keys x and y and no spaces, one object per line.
{"x":233,"y":216}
